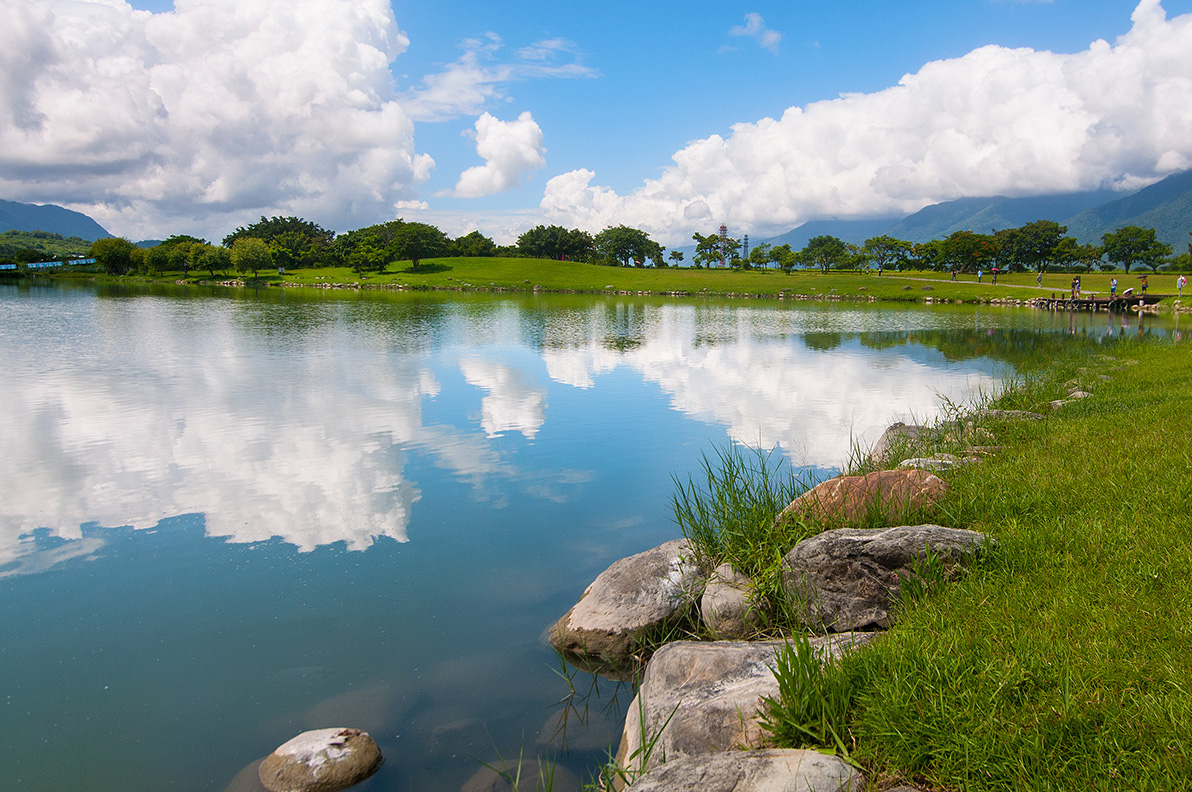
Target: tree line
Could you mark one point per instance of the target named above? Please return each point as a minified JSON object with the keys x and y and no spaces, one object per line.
{"x":292,"y":242}
{"x":1034,"y":247}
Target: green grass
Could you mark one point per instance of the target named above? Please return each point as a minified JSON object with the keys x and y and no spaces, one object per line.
{"x":519,"y":274}
{"x":1062,"y":661}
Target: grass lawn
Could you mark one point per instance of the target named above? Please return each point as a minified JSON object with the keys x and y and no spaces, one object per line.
{"x":1063,"y":660}
{"x":519,"y":274}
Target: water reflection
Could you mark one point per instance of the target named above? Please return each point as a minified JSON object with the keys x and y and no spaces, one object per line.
{"x":297,"y":421}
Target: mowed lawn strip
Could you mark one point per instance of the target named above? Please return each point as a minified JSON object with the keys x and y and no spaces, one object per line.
{"x":1063,"y":660}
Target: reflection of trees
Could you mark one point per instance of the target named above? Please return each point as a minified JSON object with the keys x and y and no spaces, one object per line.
{"x":1012,"y":346}
{"x":822,"y":342}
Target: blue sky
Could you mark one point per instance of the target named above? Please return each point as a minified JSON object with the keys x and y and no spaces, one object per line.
{"x":195,"y":118}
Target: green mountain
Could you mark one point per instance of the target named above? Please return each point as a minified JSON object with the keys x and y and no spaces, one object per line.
{"x":54,"y":219}
{"x":986,"y":215}
{"x":1165,"y":206}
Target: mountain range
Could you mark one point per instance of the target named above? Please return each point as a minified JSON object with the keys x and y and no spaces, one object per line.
{"x":54,"y":219}
{"x":1165,"y":206}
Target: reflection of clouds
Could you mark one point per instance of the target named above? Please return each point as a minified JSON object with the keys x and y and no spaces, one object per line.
{"x":303,"y":442}
{"x":512,"y":403}
{"x":747,"y":368}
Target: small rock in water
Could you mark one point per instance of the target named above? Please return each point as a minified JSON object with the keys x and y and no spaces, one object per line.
{"x":323,"y":760}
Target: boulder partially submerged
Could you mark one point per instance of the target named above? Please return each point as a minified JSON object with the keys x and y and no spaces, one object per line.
{"x":850,"y":578}
{"x":322,"y":760}
{"x":607,"y":629}
{"x":698,"y":697}
{"x":769,"y":770}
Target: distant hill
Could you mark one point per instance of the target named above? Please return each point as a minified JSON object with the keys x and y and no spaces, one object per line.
{"x":985,"y":215}
{"x":854,"y":231}
{"x":1165,"y":206}
{"x":54,"y":219}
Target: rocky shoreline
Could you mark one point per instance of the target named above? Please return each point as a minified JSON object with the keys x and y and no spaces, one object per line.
{"x":696,"y":722}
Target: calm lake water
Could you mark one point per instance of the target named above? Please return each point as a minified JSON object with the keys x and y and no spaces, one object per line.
{"x":228,"y":517}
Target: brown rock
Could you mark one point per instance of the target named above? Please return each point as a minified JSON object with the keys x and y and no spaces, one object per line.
{"x":323,"y":760}
{"x":890,"y":496}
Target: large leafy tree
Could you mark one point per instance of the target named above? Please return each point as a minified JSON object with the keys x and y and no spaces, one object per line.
{"x":417,"y":241}
{"x":966,"y":250}
{"x":114,"y":254}
{"x":295,"y":242}
{"x":555,"y":242}
{"x":885,"y":251}
{"x":474,"y":245}
{"x":825,"y":251}
{"x":1132,"y":245}
{"x":624,"y":244}
{"x":1036,"y":243}
{"x":251,"y":255}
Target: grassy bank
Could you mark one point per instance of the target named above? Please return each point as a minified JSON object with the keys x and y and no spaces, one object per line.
{"x":514,"y":274}
{"x":1063,"y":661}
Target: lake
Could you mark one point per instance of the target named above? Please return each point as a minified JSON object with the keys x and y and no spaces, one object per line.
{"x":227,"y":517}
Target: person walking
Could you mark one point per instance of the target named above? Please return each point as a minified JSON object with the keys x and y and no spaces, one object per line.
{"x":1112,"y":288}
{"x":1180,"y":283}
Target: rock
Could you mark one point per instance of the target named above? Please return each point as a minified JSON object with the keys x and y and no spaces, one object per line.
{"x":697,"y":697}
{"x":934,"y":462}
{"x":247,"y":780}
{"x":646,"y":591}
{"x":323,"y":760}
{"x":848,"y":579}
{"x":529,"y":775}
{"x":891,"y":495}
{"x":897,"y":437}
{"x":1057,"y":403}
{"x":725,"y":606}
{"x":770,"y":770}
{"x":1077,"y":393}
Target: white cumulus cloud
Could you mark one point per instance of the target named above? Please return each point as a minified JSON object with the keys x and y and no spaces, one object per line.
{"x":219,"y":110}
{"x":995,"y":121}
{"x":511,"y":151}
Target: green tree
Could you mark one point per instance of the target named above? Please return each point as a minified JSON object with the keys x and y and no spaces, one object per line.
{"x":251,"y":254}
{"x":417,"y":241}
{"x":784,"y":257}
{"x":474,"y":245}
{"x":1036,"y":243}
{"x":966,"y":251}
{"x":300,"y":242}
{"x":761,"y":256}
{"x":1132,"y":245}
{"x":556,"y":243}
{"x":676,"y":257}
{"x":885,"y":251}
{"x":624,"y":244}
{"x":114,"y":254}
{"x":824,"y":252}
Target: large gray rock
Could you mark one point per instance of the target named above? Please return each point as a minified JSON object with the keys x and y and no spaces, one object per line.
{"x":889,"y":495}
{"x":726,"y":607}
{"x":698,"y":697}
{"x":771,"y":770}
{"x":322,"y":760}
{"x":604,"y":630}
{"x":897,"y":438}
{"x":849,"y":578}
